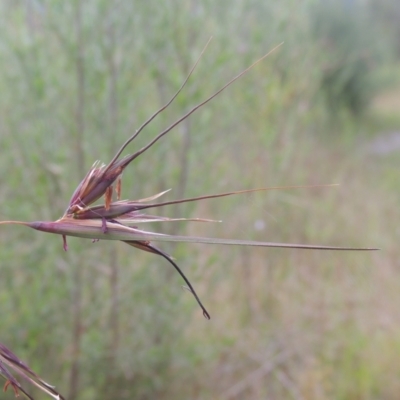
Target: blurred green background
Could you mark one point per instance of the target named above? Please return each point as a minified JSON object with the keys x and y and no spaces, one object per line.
{"x":106,"y":321}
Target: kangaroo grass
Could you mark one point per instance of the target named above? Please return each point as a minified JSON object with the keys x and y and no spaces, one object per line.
{"x":117,"y":220}
{"x":9,"y":360}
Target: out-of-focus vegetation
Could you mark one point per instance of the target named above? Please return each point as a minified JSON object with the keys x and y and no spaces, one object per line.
{"x":104,"y":321}
{"x":350,"y":53}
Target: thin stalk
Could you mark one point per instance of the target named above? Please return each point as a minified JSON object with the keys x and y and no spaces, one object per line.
{"x":178,"y":121}
{"x":113,"y":318}
{"x":157,"y":112}
{"x":184,"y":163}
{"x":14,"y":223}
{"x":214,"y":196}
{"x":153,"y":249}
{"x":76,"y":294}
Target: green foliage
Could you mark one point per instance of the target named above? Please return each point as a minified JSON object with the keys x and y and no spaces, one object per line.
{"x":347,"y":38}
{"x":106,"y":321}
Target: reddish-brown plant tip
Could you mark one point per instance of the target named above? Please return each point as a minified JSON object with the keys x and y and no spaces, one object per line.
{"x":108,"y":197}
{"x":14,"y":387}
{"x":118,"y":188}
{"x":65,"y":245}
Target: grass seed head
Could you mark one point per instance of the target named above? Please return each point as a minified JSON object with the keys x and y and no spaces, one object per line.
{"x":116,"y":220}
